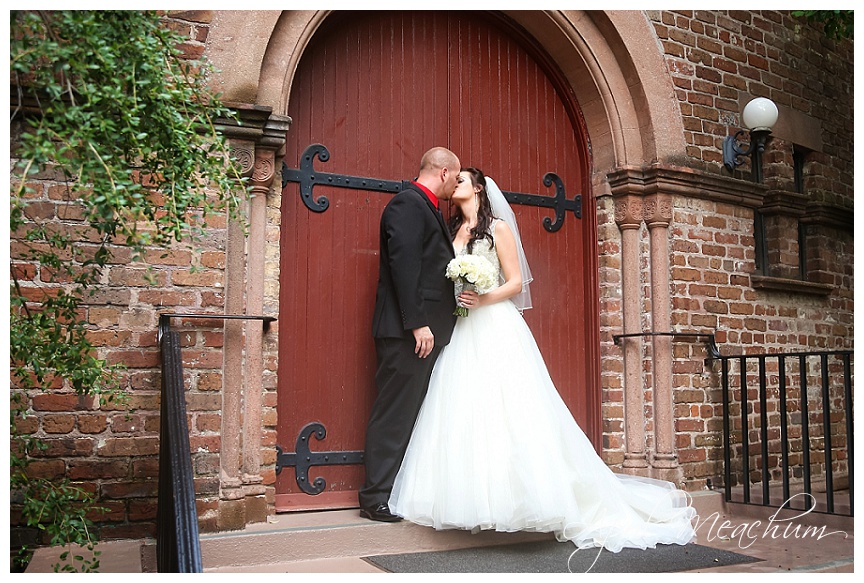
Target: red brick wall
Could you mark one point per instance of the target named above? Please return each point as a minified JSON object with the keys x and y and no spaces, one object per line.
{"x":105,"y":449}
{"x":716,"y":59}
{"x":713,"y":292}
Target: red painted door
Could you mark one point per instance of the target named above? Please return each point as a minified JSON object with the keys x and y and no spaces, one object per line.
{"x":378,"y":90}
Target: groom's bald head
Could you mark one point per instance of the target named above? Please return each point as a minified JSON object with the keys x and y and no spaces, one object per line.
{"x":439,"y":158}
{"x":439,"y":169}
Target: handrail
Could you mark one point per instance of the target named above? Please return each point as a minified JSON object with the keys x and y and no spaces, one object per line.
{"x":753,"y":420}
{"x":165,"y":319}
{"x":178,"y":548}
{"x":713,"y":351}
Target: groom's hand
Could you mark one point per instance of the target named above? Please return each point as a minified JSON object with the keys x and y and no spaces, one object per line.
{"x":425,"y":341}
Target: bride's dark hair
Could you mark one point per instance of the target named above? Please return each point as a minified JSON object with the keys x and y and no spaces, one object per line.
{"x":484,"y":212}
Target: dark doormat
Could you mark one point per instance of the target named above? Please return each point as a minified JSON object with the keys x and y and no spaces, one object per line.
{"x":555,"y":557}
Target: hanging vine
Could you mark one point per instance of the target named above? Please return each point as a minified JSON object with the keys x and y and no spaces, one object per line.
{"x":105,"y":103}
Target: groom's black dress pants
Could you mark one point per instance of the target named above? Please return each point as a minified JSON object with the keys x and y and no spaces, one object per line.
{"x":402,"y":379}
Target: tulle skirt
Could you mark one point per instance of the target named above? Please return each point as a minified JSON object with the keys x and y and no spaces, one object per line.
{"x":495,"y":447}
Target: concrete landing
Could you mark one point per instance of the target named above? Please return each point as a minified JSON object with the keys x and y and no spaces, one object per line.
{"x":336,"y":541}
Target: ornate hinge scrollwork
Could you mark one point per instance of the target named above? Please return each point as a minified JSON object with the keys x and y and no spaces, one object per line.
{"x":308,"y":179}
{"x":303,"y":458}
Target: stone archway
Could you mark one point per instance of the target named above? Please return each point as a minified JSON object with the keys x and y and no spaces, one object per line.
{"x":610,"y":58}
{"x":614,"y":67}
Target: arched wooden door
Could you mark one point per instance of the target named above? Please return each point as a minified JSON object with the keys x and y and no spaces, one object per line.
{"x":378,"y":90}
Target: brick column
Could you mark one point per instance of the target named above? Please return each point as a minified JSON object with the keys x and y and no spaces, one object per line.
{"x":628,"y":217}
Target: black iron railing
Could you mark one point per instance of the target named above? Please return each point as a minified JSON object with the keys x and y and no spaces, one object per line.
{"x":787,"y":424}
{"x":178,"y":548}
{"x":706,"y":337}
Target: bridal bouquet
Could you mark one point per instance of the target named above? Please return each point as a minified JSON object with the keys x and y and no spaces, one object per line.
{"x":470,"y":272}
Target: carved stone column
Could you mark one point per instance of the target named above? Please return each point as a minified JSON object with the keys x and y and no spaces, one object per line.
{"x":628,"y":217}
{"x":267,"y":153}
{"x":657,"y":212}
{"x":654,"y":187}
{"x":231,"y":483}
{"x":256,"y":142}
{"x":262,"y":178}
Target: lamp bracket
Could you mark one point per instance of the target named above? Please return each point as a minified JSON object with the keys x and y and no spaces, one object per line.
{"x":731,"y":150}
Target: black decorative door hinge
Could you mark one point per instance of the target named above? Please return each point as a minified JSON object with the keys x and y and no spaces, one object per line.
{"x":308,"y":179}
{"x":303,"y":458}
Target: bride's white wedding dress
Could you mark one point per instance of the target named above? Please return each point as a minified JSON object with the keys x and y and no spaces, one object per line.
{"x":495,"y":447}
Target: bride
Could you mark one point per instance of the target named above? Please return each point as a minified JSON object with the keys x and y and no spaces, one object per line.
{"x":494,"y":446}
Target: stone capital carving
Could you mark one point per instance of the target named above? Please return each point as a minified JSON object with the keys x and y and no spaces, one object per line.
{"x":243,"y":151}
{"x":265,"y":165}
{"x":628,"y":212}
{"x":657,"y":210}
{"x":256,"y":139}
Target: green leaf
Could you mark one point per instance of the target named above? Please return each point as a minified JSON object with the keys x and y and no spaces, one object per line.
{"x":130,"y":126}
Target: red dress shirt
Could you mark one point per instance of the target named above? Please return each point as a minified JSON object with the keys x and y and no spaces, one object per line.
{"x":429,"y":193}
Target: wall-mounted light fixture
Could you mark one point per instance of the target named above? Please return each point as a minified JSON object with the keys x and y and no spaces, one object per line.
{"x":759,"y":116}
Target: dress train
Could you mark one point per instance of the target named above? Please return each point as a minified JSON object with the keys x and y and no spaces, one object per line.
{"x":495,"y":447}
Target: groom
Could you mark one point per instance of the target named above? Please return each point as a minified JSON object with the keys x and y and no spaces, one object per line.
{"x":413,"y":320}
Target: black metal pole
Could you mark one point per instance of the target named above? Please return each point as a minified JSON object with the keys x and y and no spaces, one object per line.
{"x":727,"y":445}
{"x":805,"y":432}
{"x":826,"y":428}
{"x":745,"y":426}
{"x":850,"y":457}
{"x":763,"y":431}
{"x":784,"y":429}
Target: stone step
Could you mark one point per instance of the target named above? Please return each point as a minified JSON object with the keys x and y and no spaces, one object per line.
{"x":305,"y":541}
{"x":325,"y":541}
{"x":309,"y":537}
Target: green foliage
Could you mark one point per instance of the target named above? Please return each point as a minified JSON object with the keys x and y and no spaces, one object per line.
{"x":110,"y":107}
{"x":60,"y":510}
{"x":839,"y":24}
{"x":56,"y":508}
{"x":122,"y":117}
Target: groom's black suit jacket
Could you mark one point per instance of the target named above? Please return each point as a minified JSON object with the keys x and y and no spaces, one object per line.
{"x":413,"y":292}
{"x":412,"y":289}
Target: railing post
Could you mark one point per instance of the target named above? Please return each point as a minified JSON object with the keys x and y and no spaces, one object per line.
{"x":727,"y":438}
{"x":826,"y":429}
{"x":745,"y":426}
{"x":805,"y":433}
{"x":850,"y":437}
{"x":784,"y":429}
{"x":763,"y":431}
{"x":178,"y":548}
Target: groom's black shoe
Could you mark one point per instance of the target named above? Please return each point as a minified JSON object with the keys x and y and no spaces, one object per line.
{"x":380,"y":512}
